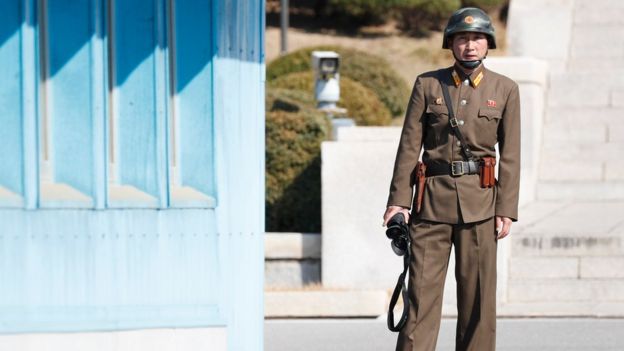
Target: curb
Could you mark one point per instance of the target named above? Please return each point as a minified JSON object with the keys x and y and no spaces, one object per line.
{"x":325,"y":303}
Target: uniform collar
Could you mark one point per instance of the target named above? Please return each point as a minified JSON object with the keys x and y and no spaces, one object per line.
{"x":475,"y":77}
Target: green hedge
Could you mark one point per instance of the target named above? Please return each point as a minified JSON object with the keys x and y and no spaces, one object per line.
{"x":361,"y":103}
{"x":294,"y":133}
{"x":417,"y":17}
{"x":295,"y":129}
{"x":361,"y":12}
{"x":486,"y":5}
{"x":371,"y":71}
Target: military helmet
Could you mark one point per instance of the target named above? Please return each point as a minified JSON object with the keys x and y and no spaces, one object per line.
{"x":470,"y":19}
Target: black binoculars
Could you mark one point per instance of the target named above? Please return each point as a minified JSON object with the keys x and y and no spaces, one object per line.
{"x":398,"y":232}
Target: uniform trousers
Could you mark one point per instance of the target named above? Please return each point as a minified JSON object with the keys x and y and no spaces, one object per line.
{"x":475,"y":273}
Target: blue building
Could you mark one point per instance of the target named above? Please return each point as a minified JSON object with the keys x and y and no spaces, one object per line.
{"x":131,"y":174}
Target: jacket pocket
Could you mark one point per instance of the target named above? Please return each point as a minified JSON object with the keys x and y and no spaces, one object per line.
{"x":487,"y":124}
{"x":490,"y":113}
{"x":437,"y":124}
{"x":437,"y":110}
{"x":438,"y":115}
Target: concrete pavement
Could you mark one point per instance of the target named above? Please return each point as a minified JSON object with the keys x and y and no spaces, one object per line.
{"x":523,"y":334}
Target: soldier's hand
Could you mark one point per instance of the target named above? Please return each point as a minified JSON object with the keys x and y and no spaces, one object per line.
{"x":392,"y":210}
{"x":503,"y":226}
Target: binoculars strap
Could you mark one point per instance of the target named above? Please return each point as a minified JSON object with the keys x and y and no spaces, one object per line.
{"x":401,"y":289}
{"x":454,"y":124}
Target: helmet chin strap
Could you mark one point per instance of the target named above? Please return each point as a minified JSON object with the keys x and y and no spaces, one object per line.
{"x":469,"y":64}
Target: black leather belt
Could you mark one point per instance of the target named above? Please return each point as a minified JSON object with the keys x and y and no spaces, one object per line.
{"x":455,"y":168}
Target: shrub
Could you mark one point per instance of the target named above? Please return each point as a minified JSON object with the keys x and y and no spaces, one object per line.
{"x":415,"y":16}
{"x":303,"y":81}
{"x":294,"y":134}
{"x":361,"y":12}
{"x":419,"y":17}
{"x":296,"y":61}
{"x":485,"y":5}
{"x":288,"y":100}
{"x":371,"y":71}
{"x":361,"y":103}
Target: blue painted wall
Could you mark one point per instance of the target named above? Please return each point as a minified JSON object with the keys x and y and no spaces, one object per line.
{"x":132,"y":178}
{"x":11,"y":133}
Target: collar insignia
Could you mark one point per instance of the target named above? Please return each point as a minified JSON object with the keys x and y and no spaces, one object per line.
{"x":477,"y":79}
{"x":475,"y":82}
{"x":456,"y":78}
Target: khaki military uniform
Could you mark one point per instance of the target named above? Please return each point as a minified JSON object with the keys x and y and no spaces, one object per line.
{"x":456,"y":210}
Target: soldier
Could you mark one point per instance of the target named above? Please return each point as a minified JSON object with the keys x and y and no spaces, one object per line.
{"x":458,"y":201}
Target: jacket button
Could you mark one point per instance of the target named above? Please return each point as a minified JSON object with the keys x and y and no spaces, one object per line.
{"x":463,"y":102}
{"x":461,"y":122}
{"x":458,"y":143}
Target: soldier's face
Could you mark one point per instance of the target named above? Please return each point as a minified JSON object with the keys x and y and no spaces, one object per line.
{"x":469,"y":46}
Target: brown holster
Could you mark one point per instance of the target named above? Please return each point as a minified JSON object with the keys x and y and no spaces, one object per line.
{"x":421,"y":169}
{"x":486,"y":172}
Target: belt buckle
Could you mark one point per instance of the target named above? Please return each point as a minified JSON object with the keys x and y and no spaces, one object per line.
{"x":457,"y":168}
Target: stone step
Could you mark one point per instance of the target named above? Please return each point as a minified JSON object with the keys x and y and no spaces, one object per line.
{"x":573,"y":156}
{"x":565,"y":290}
{"x":580,"y":190}
{"x":582,"y":116}
{"x":585,"y":132}
{"x":612,"y":79}
{"x":585,"y":89}
{"x":595,"y":66}
{"x":562,"y":309}
{"x":333,"y":304}
{"x":548,"y":217}
{"x":566,"y":228}
{"x":563,"y":172}
{"x":601,"y":12}
{"x":292,"y":260}
{"x":291,"y":274}
{"x":564,"y":245}
{"x":292,"y":245}
{"x":325,"y":303}
{"x":566,"y":267}
{"x":523,"y":267}
{"x":597,"y":40}
{"x":528,"y":302}
{"x":589,"y":153}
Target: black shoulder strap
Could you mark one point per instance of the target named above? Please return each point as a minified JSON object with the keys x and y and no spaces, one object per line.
{"x":453,"y":121}
{"x":400,"y":289}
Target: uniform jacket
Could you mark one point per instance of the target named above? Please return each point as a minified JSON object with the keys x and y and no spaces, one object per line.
{"x":489,"y":106}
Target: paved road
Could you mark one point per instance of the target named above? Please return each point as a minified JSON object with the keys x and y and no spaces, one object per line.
{"x":527,"y":334}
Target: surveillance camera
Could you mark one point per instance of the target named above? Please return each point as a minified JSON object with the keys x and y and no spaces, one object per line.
{"x":329,"y":65}
{"x":325,"y":62}
{"x":326,"y":79}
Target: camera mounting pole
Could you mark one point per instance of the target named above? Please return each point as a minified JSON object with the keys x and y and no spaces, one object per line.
{"x":284,"y":26}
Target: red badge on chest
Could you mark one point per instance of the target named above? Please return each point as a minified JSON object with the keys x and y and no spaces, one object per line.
{"x":491,"y":103}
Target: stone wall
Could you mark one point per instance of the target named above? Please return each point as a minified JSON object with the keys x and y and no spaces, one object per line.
{"x":583,"y":133}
